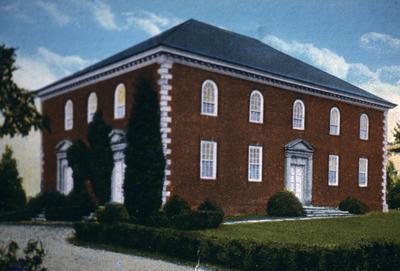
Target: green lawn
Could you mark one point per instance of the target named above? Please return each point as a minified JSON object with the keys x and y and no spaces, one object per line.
{"x":374,"y":226}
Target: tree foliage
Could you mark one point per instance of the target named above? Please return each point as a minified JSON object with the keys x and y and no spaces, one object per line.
{"x":391,"y":175}
{"x":396,"y":133}
{"x":18,"y":114}
{"x":144,"y":156}
{"x":12,"y":195}
{"x":78,"y":160}
{"x":101,"y":157}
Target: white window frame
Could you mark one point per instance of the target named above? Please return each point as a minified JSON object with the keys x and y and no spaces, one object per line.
{"x":214,"y":159}
{"x":331,"y":121}
{"x":69,"y":115}
{"x":119,"y":109}
{"x":91,"y":99}
{"x":259,"y":163}
{"x":303,"y":117}
{"x":360,"y":160}
{"x":261,"y":111}
{"x":215,"y":102}
{"x":364,"y":117}
{"x":333,"y":157}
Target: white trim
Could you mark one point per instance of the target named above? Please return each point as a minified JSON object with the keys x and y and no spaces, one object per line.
{"x":153,"y":55}
{"x":384,"y":161}
{"x":338,"y":121}
{"x":165,"y":120}
{"x":303,"y":119}
{"x":260,"y":173}
{"x":253,"y":93}
{"x":366,"y":171}
{"x":336,"y":159}
{"x":117,"y":114}
{"x":215,"y":102}
{"x":214,"y":160}
{"x":364,"y":115}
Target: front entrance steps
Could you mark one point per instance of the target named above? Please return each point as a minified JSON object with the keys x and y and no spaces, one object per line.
{"x":320,"y":211}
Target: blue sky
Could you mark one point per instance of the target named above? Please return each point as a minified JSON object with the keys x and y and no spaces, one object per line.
{"x":358,"y":41}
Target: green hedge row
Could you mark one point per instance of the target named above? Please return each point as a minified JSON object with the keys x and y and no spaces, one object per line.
{"x":243,"y":254}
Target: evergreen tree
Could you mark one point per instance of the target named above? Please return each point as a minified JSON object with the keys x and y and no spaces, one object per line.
{"x":144,"y":156}
{"x":391,"y":175}
{"x":78,"y":160}
{"x":12,"y":195}
{"x":101,"y":157}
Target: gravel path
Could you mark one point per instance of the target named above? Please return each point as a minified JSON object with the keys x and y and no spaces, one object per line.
{"x":61,"y":255}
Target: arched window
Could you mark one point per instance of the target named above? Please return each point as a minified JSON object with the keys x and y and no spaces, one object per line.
{"x":334,"y":122}
{"x":256,"y":113}
{"x":92,"y":106}
{"x":298,"y":115}
{"x":364,"y":126}
{"x":209,"y":98}
{"x":68,"y":115}
{"x":119,"y":101}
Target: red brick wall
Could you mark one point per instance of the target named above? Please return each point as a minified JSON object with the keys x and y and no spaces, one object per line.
{"x":54,"y":109}
{"x":233,"y":132}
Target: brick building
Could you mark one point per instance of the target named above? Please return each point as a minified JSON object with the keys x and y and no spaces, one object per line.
{"x":239,"y":122}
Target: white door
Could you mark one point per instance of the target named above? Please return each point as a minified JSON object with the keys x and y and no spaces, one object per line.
{"x":296,"y":181}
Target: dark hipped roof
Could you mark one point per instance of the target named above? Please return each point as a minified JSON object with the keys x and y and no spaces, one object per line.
{"x":206,"y":40}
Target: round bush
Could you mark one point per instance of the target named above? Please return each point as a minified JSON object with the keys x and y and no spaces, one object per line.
{"x":353,"y":206}
{"x":176,"y":206}
{"x":393,"y":197}
{"x":112,"y":213}
{"x":284,"y":204}
{"x":208,"y":205}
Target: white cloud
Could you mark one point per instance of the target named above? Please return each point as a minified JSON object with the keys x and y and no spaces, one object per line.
{"x":321,"y":57}
{"x":45,"y":67}
{"x":151,"y":23}
{"x":384,"y":81}
{"x":52,"y":10}
{"x":104,"y":16}
{"x":375,"y":40}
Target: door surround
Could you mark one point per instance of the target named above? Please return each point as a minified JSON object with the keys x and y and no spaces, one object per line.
{"x":300,"y":152}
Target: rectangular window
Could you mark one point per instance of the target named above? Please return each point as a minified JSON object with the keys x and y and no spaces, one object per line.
{"x":208,"y":160}
{"x":333,"y":174}
{"x":255,"y":164}
{"x":363,"y":172}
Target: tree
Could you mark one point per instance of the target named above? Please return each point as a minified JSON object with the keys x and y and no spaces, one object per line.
{"x":396,"y":133}
{"x":18,"y":113}
{"x":391,"y":175}
{"x":12,"y":195}
{"x":78,"y":160}
{"x":144,"y":156}
{"x":101,"y":157}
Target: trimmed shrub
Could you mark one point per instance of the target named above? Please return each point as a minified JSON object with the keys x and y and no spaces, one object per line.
{"x":12,"y":195}
{"x":243,"y":254}
{"x":112,"y":213}
{"x":284,"y":204}
{"x":353,"y":206}
{"x":46,"y":201}
{"x":208,"y":205}
{"x":197,"y":220}
{"x":393,"y":196}
{"x":80,"y":204}
{"x":176,"y":206}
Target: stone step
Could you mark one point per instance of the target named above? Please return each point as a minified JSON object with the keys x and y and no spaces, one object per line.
{"x":320,"y":211}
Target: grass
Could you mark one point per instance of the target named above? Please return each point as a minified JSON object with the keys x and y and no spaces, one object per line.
{"x":336,"y":231}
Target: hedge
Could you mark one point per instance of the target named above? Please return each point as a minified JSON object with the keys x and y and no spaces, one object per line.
{"x":244,"y":254}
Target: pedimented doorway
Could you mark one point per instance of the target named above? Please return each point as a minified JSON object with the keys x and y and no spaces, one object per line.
{"x":298,"y":169}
